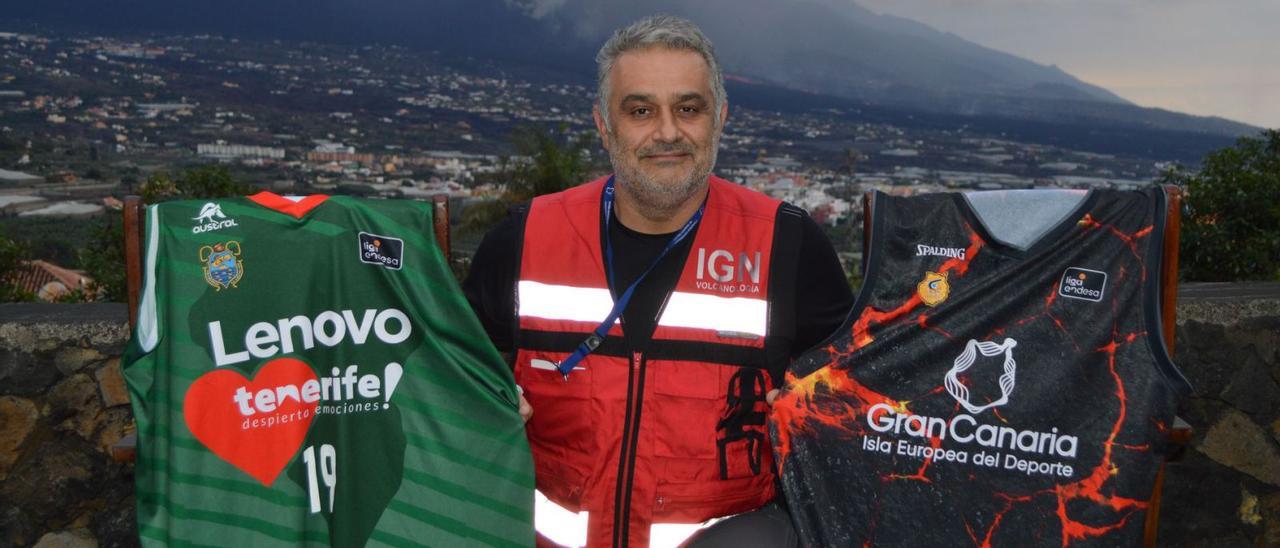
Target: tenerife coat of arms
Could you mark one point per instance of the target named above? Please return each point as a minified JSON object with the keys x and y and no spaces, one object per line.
{"x":222,"y":265}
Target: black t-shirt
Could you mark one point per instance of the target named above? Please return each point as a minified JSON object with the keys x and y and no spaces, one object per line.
{"x":822,"y":294}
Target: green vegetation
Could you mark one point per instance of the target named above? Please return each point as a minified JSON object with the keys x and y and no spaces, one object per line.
{"x":196,"y":183}
{"x":103,"y":259}
{"x":11,"y":255}
{"x":1231,"y":227}
{"x":96,"y":244}
{"x":546,"y":161}
{"x":56,"y":239}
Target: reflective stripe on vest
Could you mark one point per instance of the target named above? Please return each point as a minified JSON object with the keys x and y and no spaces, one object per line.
{"x":690,"y":310}
{"x":569,"y":529}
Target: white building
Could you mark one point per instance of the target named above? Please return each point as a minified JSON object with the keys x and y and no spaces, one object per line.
{"x":224,"y":151}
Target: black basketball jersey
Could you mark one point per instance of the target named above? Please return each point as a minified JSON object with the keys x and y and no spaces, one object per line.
{"x":983,"y":394}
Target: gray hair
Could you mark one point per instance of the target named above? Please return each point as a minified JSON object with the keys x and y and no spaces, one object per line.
{"x":661,"y":31}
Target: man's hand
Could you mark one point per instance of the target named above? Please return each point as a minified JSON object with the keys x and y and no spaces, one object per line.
{"x":526,"y":410}
{"x":772,"y":395}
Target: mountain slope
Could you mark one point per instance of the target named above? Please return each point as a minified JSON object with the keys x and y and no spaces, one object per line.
{"x":827,"y":47}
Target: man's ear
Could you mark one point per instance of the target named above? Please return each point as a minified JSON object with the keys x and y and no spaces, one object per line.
{"x":724,"y":114}
{"x":600,"y":128}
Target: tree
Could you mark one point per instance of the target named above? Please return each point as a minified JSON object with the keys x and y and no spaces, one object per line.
{"x":11,"y":256}
{"x":195,"y":183}
{"x":1231,"y":228}
{"x":547,"y":160}
{"x":103,"y":258}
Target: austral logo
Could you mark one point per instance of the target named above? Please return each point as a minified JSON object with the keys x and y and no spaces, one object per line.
{"x":381,"y":250}
{"x":211,"y":218}
{"x":1082,"y":283}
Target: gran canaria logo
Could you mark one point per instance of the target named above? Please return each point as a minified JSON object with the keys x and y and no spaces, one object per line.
{"x":965,"y":360}
{"x":934,"y":288}
{"x":222,"y":265}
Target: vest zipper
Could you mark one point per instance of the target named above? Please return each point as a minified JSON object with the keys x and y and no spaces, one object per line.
{"x":627,"y":459}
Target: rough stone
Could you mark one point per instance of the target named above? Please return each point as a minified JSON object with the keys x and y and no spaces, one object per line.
{"x":21,"y":374}
{"x":118,"y":527}
{"x":1250,"y":512}
{"x":16,"y":337}
{"x":111,"y":384}
{"x":1228,"y":303}
{"x":1275,"y":430}
{"x":1212,"y":368}
{"x":17,"y":419}
{"x":1232,"y":540}
{"x":1236,"y":442}
{"x":1252,"y":389}
{"x":74,"y":538}
{"x":54,"y":484}
{"x":15,"y":530}
{"x":1199,"y":502}
{"x":114,"y":424}
{"x":1270,"y":520}
{"x":73,"y":359}
{"x":74,"y":405}
{"x":32,"y":328}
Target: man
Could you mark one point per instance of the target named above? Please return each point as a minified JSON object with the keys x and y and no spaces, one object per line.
{"x":659,"y":418}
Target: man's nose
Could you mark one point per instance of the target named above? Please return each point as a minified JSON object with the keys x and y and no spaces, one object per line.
{"x":668,"y":131}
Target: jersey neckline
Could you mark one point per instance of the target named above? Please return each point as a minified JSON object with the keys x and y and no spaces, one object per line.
{"x":1047,"y":238}
{"x":296,"y":209}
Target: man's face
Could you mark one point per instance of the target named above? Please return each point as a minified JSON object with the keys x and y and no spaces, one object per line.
{"x":663,"y":130}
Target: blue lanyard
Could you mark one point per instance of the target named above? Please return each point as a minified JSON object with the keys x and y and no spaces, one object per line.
{"x":593,"y":341}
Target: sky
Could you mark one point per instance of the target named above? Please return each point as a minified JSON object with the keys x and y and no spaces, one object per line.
{"x":1206,"y":57}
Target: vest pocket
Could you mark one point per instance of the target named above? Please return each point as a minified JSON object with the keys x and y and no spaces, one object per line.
{"x":558,"y":405}
{"x":685,"y":403}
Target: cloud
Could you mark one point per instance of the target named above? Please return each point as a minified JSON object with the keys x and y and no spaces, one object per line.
{"x":537,"y":9}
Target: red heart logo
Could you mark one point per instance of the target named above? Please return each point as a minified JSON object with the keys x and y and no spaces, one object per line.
{"x":258,"y":425}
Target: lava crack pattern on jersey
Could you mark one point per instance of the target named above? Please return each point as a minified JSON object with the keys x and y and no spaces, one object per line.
{"x":987,"y":394}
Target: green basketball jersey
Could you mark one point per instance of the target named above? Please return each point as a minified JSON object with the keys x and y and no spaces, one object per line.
{"x":308,"y":372}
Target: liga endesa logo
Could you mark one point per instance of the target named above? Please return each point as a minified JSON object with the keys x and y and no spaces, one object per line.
{"x":1083,"y":284}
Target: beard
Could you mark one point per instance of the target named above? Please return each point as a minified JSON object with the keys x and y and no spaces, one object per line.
{"x":658,"y":197}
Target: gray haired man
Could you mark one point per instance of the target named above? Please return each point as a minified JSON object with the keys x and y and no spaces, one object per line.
{"x":651,"y":313}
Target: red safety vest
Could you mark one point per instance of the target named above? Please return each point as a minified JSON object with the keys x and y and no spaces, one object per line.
{"x":674,"y":431}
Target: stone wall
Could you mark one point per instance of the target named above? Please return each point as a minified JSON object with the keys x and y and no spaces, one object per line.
{"x":63,"y":404}
{"x":1225,"y":490}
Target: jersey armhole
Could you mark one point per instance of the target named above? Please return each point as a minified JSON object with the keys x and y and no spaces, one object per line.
{"x":147,"y":330}
{"x":784,"y":266}
{"x":869,"y":274}
{"x":521,"y":210}
{"x":1153,"y":315}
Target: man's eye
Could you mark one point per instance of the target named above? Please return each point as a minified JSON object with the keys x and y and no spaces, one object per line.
{"x":689,"y":110}
{"x":641,"y":111}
